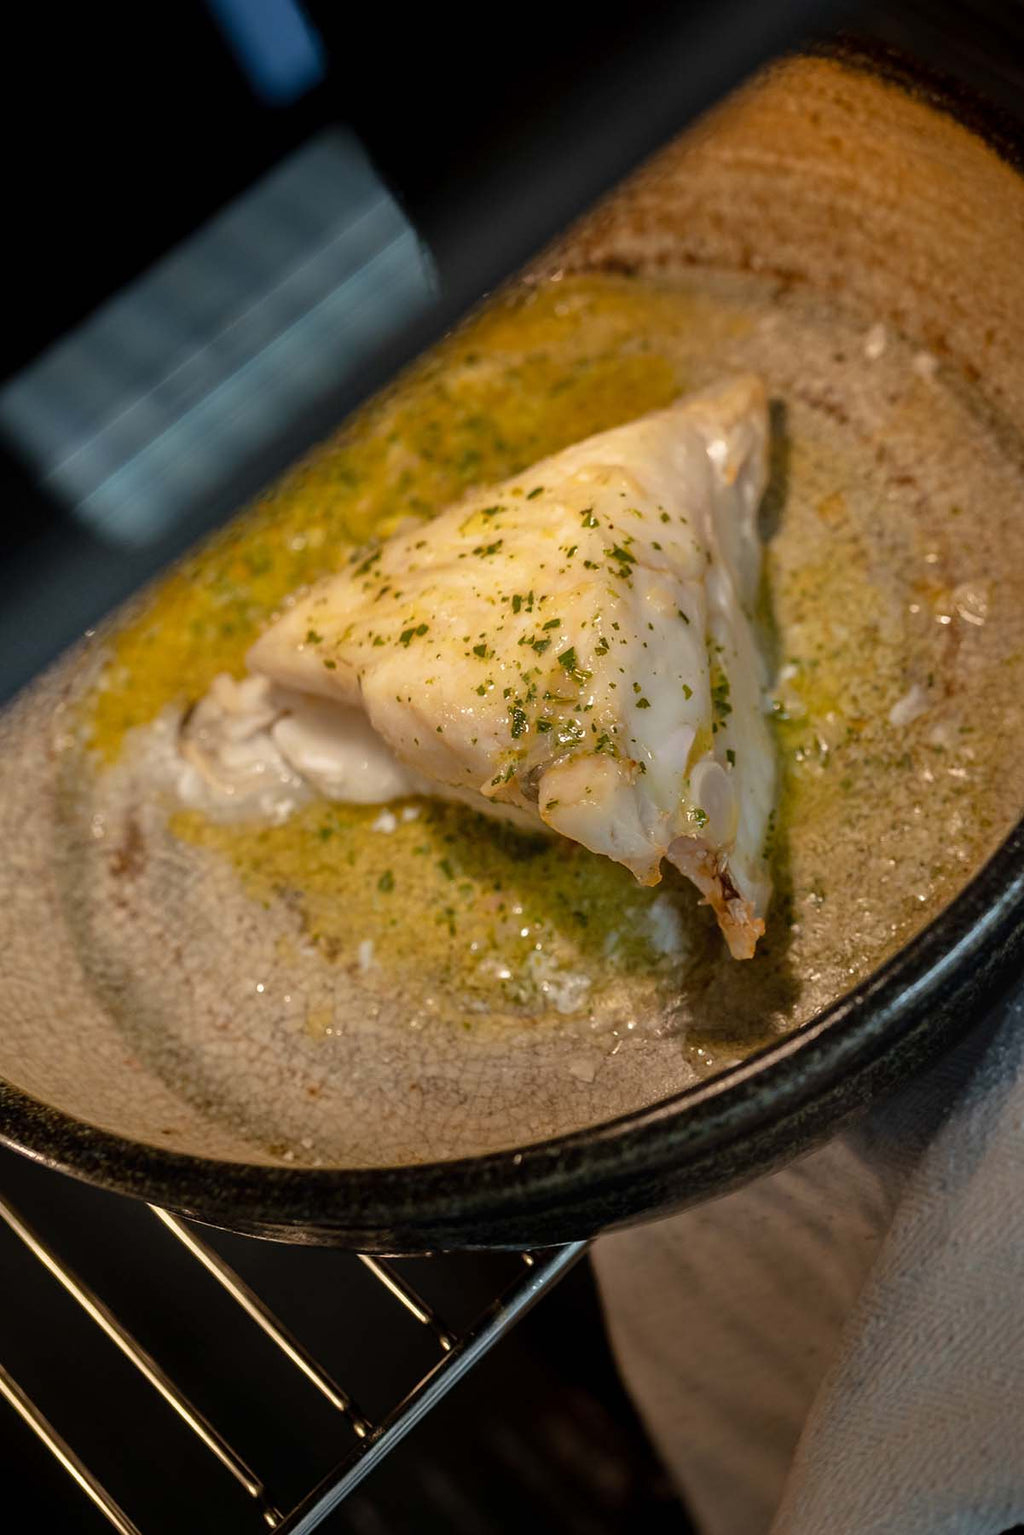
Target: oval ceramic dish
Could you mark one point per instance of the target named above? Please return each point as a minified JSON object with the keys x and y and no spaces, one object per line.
{"x":862,"y":197}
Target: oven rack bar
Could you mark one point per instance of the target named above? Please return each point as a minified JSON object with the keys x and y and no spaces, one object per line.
{"x":457,"y":1353}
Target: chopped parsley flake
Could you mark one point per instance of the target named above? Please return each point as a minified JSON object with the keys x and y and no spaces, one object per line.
{"x":569,"y":733}
{"x":567,"y":661}
{"x":720,"y":694}
{"x":386,"y":882}
{"x":408,"y":635}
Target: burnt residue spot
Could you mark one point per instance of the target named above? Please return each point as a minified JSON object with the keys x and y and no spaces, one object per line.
{"x":830,"y":405}
{"x":619,"y":265}
{"x":899,"y":476}
{"x":129,"y":860}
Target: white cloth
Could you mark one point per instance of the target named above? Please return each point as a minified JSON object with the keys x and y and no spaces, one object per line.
{"x":839,"y":1346}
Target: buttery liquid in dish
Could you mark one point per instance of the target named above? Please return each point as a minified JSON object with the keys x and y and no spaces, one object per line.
{"x":893,"y":615}
{"x":572,"y":651}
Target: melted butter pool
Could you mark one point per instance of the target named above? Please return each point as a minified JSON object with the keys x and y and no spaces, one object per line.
{"x":893,"y":608}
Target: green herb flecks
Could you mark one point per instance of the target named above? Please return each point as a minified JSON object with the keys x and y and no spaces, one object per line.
{"x":567,"y":661}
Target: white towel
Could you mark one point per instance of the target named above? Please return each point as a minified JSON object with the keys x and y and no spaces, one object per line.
{"x":839,"y":1346}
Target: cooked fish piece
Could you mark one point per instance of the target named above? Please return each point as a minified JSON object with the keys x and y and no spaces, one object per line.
{"x":250,"y":739}
{"x":577,"y":644}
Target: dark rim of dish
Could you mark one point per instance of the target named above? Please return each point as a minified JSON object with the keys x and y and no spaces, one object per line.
{"x":773,"y":1084}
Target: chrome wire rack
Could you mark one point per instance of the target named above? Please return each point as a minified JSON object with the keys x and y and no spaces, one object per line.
{"x":367,"y":1439}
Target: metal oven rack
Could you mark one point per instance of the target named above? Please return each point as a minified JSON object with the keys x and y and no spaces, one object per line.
{"x":366,"y":1440}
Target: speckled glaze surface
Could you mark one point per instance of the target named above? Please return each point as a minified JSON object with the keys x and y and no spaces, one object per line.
{"x":826,"y":183}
